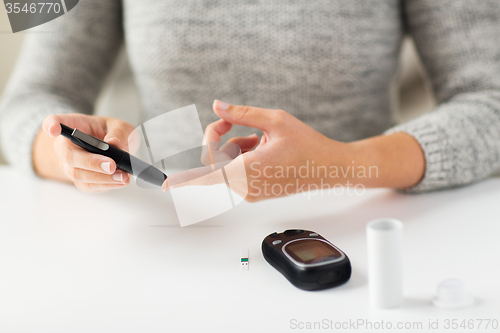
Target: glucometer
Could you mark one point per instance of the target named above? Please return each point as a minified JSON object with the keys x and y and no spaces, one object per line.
{"x":306,"y":259}
{"x":124,"y":161}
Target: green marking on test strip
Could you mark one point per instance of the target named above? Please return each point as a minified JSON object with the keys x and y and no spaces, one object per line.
{"x":244,"y":259}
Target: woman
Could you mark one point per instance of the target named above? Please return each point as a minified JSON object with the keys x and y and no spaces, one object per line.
{"x":326,"y":63}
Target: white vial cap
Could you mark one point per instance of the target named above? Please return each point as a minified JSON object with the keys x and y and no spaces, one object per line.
{"x":452,"y":294}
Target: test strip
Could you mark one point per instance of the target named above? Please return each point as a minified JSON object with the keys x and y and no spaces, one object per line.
{"x":244,"y":260}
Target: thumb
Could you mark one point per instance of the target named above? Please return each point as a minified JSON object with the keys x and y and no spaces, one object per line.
{"x":264,"y":119}
{"x":118,"y":132}
{"x":52,"y":124}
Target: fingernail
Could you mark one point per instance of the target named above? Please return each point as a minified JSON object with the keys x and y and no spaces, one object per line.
{"x":221,"y":106}
{"x":251,"y":135}
{"x":120,"y":176}
{"x":106,"y":166}
{"x":164,"y":186}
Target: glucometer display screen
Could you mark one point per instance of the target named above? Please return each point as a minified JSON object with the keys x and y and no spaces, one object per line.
{"x":310,"y":251}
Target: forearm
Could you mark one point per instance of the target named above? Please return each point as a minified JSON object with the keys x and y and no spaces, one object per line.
{"x":394,"y":161}
{"x":397,"y":158}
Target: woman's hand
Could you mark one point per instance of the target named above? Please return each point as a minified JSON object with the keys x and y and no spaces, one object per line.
{"x":58,"y":158}
{"x":272,"y":169}
{"x":292,"y":157}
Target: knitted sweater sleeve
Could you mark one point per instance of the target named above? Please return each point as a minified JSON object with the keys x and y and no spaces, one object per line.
{"x":61,"y":68}
{"x":458,"y":44}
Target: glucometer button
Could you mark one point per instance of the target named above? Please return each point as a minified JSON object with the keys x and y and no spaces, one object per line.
{"x":277,"y":242}
{"x":293,"y":232}
{"x":313,"y":234}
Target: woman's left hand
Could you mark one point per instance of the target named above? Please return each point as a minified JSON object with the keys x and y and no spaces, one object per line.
{"x":293,"y":158}
{"x":273,"y":169}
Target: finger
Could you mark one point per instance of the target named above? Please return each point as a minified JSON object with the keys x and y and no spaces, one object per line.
{"x":211,"y":140}
{"x":227,"y":153}
{"x":118,"y":132}
{"x":97,"y":188}
{"x":88,"y":124}
{"x":215,"y":130}
{"x":234,"y":172}
{"x":86,"y":176}
{"x":246,"y":143}
{"x":264,"y":119}
{"x":195,"y":176}
{"x":51,"y":125}
{"x":231,"y":150}
{"x":263,"y":140}
{"x":211,"y":154}
{"x":76,"y":157}
{"x":235,"y":176}
{"x":208,"y":178}
{"x":134,"y":141}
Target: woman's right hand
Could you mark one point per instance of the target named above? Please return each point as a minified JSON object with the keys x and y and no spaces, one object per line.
{"x":56,"y":157}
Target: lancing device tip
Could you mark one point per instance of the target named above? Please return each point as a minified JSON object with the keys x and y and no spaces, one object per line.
{"x":244,"y":260}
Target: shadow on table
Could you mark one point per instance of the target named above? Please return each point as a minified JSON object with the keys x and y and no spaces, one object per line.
{"x":357,"y":279}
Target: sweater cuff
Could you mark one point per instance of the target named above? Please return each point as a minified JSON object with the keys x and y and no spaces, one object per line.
{"x":19,"y":136}
{"x":437,"y":163}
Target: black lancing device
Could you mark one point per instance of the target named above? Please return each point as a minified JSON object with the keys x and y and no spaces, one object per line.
{"x":124,"y":161}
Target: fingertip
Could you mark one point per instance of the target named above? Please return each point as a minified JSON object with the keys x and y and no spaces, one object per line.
{"x":108,"y":166}
{"x":164,"y":186}
{"x":55,"y":130}
{"x":112,"y":166}
{"x":253,"y":137}
{"x":220,"y":106}
{"x":51,"y":126}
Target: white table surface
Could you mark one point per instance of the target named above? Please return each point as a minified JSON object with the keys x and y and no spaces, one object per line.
{"x":120,"y":262}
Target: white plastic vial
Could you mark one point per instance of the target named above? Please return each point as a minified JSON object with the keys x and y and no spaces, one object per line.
{"x":385,"y":270}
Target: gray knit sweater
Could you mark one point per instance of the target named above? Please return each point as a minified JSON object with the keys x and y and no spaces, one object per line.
{"x":328,"y":62}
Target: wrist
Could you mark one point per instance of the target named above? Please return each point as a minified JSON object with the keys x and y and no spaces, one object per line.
{"x":395,"y":160}
{"x":340,"y":164}
{"x":45,"y":161}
